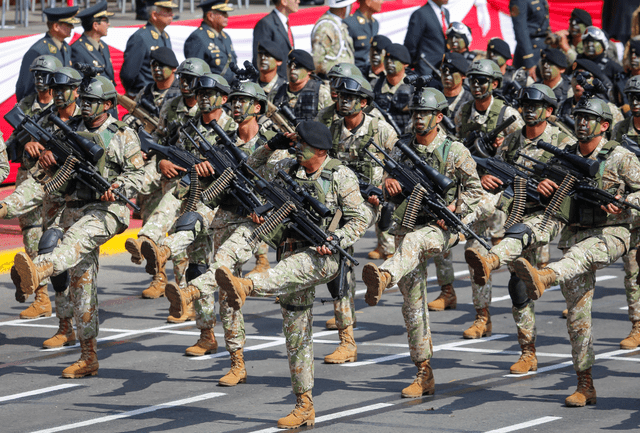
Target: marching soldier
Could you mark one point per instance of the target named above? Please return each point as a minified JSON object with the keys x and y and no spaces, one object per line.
{"x":453,"y":70}
{"x":89,"y":48}
{"x":391,"y":93}
{"x":379,"y":44}
{"x":513,"y":78}
{"x":362,"y":28}
{"x":330,"y":40}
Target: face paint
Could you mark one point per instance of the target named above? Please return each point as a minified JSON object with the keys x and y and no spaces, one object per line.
{"x":635,"y":60}
{"x":63,"y":96}
{"x":296,"y":72}
{"x":533,"y":112}
{"x":160,"y":72}
{"x":209,"y":100}
{"x":241,"y":108}
{"x":576,"y":29}
{"x":587,"y":126}
{"x":492,"y":55}
{"x":424,"y":121}
{"x":186,"y":85}
{"x":40,"y":79}
{"x":548,"y":70}
{"x":634,"y":102}
{"x":392,"y":66}
{"x":304,"y":152}
{"x":592,"y":48}
{"x":480,"y":86}
{"x":450,"y":78}
{"x":266,"y":63}
{"x":348,"y":104}
{"x":375,"y":56}
{"x":91,"y":108}
{"x":456,"y":43}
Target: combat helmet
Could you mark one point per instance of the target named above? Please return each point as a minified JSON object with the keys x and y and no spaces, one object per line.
{"x":538,"y":92}
{"x":251,"y":90}
{"x":487,"y":68}
{"x":429,"y":99}
{"x":65,"y":76}
{"x":633,"y":85}
{"x":355,"y":84}
{"x":213,"y":81}
{"x":594,"y":106}
{"x":45,"y":63}
{"x":100,"y":87}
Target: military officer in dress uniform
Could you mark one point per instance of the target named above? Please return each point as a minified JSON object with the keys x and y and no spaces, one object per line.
{"x":136,"y":69}
{"x":362,"y":28}
{"x":209,"y":42}
{"x":60,"y":22}
{"x":89,"y":48}
{"x":530,"y":23}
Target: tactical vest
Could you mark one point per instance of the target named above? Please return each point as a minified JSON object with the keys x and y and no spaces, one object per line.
{"x":495,"y":116}
{"x":170,"y":93}
{"x":360,"y":162}
{"x":172,"y":113}
{"x":623,"y":127}
{"x":396,"y":104}
{"x":306,"y":107}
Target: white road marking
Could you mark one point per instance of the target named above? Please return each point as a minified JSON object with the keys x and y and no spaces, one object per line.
{"x":38,"y":391}
{"x":24,"y":322}
{"x":132,"y":412}
{"x":527,"y":424}
{"x":336,"y":415}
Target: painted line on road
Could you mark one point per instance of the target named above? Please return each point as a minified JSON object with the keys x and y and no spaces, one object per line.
{"x":133,"y":412}
{"x":38,"y":391}
{"x":336,"y":415}
{"x":523,"y":425}
{"x":435,"y":349}
{"x":24,"y":322}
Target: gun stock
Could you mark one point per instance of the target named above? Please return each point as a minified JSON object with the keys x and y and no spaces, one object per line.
{"x":150,"y":122}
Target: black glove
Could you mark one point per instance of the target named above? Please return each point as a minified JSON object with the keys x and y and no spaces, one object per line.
{"x":280,"y":141}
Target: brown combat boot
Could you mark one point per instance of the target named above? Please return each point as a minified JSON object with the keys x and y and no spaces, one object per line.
{"x":424,"y":383}
{"x":64,"y":337}
{"x":181,"y":301}
{"x":237,"y":374}
{"x":633,"y":340}
{"x":87,"y":365}
{"x":15,"y":278}
{"x":133,"y":246}
{"x":156,"y":256}
{"x":537,"y":281}
{"x":4,"y":210}
{"x":481,"y":265}
{"x":565,"y":313}
{"x":347,"y":350}
{"x":236,"y":289}
{"x":528,"y":360}
{"x":446,"y":300}
{"x":378,"y":254}
{"x":30,"y":274}
{"x":585,"y":394}
{"x":157,"y":287}
{"x":41,"y":306}
{"x":262,"y":265}
{"x":376,"y":282}
{"x":188,"y":314}
{"x":331,"y":323}
{"x":302,"y":414}
{"x":481,"y":326}
{"x":206,"y":344}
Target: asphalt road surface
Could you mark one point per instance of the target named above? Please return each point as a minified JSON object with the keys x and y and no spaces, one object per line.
{"x":146,"y":384}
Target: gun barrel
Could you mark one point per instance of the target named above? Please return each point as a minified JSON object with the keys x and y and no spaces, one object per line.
{"x":491,"y":137}
{"x":588,"y":167}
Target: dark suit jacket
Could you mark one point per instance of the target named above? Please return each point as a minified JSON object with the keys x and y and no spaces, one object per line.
{"x":425,"y":36}
{"x":82,"y":51}
{"x":270,"y":28}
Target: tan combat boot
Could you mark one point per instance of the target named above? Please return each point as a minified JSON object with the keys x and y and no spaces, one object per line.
{"x":64,"y":337}
{"x":236,"y":289}
{"x":347,"y":350}
{"x":156,"y":256}
{"x":237,"y":374}
{"x":565,"y":313}
{"x":376,"y":282}
{"x":528,"y":360}
{"x":481,"y":326}
{"x":633,"y":340}
{"x":378,"y":254}
{"x":331,"y":323}
{"x":157,"y":287}
{"x":481,"y":265}
{"x":30,"y":274}
{"x":537,"y":281}
{"x":446,"y":300}
{"x":181,"y":302}
{"x":87,"y":365}
{"x":206,"y":344}
{"x":302,"y":414}
{"x":133,"y":246}
{"x":15,"y":278}
{"x":262,"y":265}
{"x":4,"y":210}
{"x":424,"y":383}
{"x":41,"y":306}
{"x":585,"y":394}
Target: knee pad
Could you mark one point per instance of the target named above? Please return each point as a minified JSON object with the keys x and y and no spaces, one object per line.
{"x":60,"y":282}
{"x":187,"y":222}
{"x":194,"y":271}
{"x":522,"y":232}
{"x":518,"y":292}
{"x":49,"y":240}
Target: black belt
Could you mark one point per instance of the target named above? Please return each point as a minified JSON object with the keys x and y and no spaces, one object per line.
{"x":75,"y":204}
{"x":290,"y":307}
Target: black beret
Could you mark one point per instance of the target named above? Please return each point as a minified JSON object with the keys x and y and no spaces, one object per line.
{"x":588,"y":66}
{"x":380,"y":42}
{"x":555,"y":56}
{"x":165,"y":56}
{"x":216,"y":5}
{"x":97,"y":11}
{"x":455,"y":61}
{"x":399,"y":52}
{"x":62,"y":15}
{"x":634,"y":45}
{"x":500,"y":47}
{"x":315,"y":134}
{"x":272,"y":49}
{"x":582,"y":16}
{"x":302,"y":58}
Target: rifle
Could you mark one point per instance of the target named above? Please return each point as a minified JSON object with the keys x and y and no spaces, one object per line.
{"x":449,"y":125}
{"x":15,"y":145}
{"x":423,"y":184}
{"x":281,"y":117}
{"x":481,"y":143}
{"x":76,"y":155}
{"x":149,"y":121}
{"x":565,"y":123}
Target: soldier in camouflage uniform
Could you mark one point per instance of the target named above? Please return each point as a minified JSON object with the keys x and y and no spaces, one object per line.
{"x":89,"y":220}
{"x":379,"y":44}
{"x":330,"y":39}
{"x":553,"y":65}
{"x":453,"y":70}
{"x":593,"y":238}
{"x":408,"y":266}
{"x":303,"y":265}
{"x":522,"y":234}
{"x":270,"y":57}
{"x":174,"y":113}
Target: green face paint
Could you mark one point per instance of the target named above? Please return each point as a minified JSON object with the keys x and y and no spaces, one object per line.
{"x":91,"y":108}
{"x":348,"y":104}
{"x":296,"y":73}
{"x":209,"y":100}
{"x":424,"y":121}
{"x":587,"y":126}
{"x":241,"y":108}
{"x":492,"y":55}
{"x":266,"y":63}
{"x":548,"y":70}
{"x":456,"y":44}
{"x":63,"y":96}
{"x":304,"y":152}
{"x":392,"y":66}
{"x":533,"y":112}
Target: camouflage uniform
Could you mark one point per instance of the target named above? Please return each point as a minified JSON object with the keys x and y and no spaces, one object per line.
{"x":331,"y":43}
{"x":284,"y":95}
{"x":408,"y":266}
{"x":4,"y":160}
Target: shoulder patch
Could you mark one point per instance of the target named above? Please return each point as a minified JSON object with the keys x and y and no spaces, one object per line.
{"x":89,"y":46}
{"x":361,"y":20}
{"x":211,"y":34}
{"x":514,"y":10}
{"x":52,"y":49}
{"x":154,"y":34}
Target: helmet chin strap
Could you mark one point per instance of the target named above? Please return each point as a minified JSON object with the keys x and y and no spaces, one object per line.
{"x":429,"y":128}
{"x":94,"y":116}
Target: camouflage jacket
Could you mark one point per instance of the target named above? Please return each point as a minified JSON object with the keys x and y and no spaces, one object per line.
{"x":331,"y":43}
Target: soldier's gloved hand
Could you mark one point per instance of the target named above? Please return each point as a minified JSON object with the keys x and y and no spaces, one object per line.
{"x":169,"y":169}
{"x":612,"y":208}
{"x":280,"y":141}
{"x":108,"y":194}
{"x":47,"y":159}
{"x":490,"y":182}
{"x":33,"y":148}
{"x":547,"y":187}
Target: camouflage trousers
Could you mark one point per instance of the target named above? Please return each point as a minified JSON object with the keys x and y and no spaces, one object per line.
{"x":386,"y":243}
{"x":444,"y":268}
{"x":151,"y":192}
{"x":584,"y":253}
{"x":294,"y":279}
{"x":25,"y":203}
{"x":525,"y":319}
{"x":632,"y":290}
{"x":85,"y":230}
{"x":408,"y":268}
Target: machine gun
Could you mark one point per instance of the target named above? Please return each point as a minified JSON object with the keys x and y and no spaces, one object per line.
{"x":15,"y":145}
{"x":481,"y":143}
{"x":142,"y":111}
{"x":76,"y":154}
{"x":283,"y":117}
{"x":423,"y":184}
